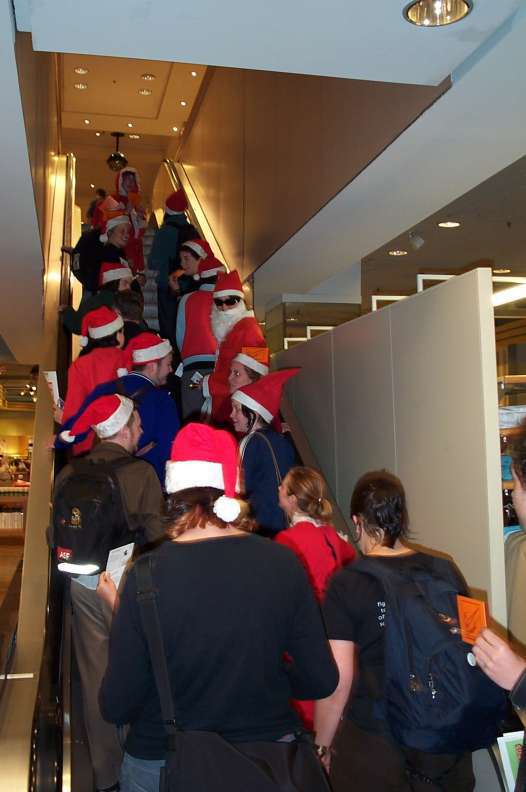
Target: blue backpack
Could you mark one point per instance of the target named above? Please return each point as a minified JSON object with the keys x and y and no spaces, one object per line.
{"x":435,"y":698}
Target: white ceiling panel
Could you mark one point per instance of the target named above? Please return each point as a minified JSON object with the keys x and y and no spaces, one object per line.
{"x":360,"y":39}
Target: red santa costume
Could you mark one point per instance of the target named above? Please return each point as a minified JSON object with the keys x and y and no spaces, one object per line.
{"x":234,"y":329}
{"x":129,"y":198}
{"x":99,"y":365}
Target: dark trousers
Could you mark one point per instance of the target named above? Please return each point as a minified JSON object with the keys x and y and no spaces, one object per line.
{"x":167,"y":313}
{"x":367,"y":762}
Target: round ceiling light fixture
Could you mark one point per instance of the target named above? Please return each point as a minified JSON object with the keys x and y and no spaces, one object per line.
{"x":501,"y":271}
{"x":80,"y":70}
{"x":436,"y":13}
{"x":398,"y":252}
{"x":98,"y":134}
{"x":117,"y":161}
{"x":87,"y":121}
{"x":92,"y":186}
{"x":145,"y":92}
{"x":81,"y":86}
{"x":148,"y":76}
{"x":193,"y":73}
{"x":183,"y":103}
{"x":175,"y":129}
{"x":448,"y":224}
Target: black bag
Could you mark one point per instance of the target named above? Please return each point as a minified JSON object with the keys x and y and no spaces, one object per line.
{"x":89,"y":516}
{"x":205,"y":762}
{"x":435,"y":698}
{"x":88,"y":254}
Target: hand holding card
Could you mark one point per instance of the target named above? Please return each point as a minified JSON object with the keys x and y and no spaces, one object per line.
{"x":472,"y":618}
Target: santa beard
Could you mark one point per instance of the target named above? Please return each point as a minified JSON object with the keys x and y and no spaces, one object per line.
{"x":223,"y":321}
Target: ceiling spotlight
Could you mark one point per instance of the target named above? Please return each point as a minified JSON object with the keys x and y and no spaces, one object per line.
{"x":398,"y":252}
{"x":144,"y":92}
{"x":87,"y":121}
{"x":98,"y":134}
{"x":183,"y":103}
{"x":436,"y":13}
{"x":80,"y":70}
{"x":134,"y":137}
{"x":81,"y":86}
{"x":501,"y":271}
{"x":148,"y":76}
{"x":448,"y":224}
{"x":175,"y":129}
{"x":415,"y":240}
{"x":92,"y":186}
{"x":193,"y":73}
{"x":130,"y":125}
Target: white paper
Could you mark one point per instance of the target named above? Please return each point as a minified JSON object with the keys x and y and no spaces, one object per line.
{"x":509,"y":744}
{"x":196,"y":377}
{"x":52,"y":383}
{"x":117,"y":560}
{"x":179,"y":370}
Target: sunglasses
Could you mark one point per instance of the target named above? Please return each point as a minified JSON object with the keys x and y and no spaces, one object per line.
{"x":230,"y":301}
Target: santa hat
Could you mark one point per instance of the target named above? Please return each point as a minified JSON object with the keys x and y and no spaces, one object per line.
{"x":205,"y":457}
{"x":200,"y":247}
{"x":264,"y":396}
{"x":254,"y":358}
{"x":113,"y":222}
{"x":120,"y":187}
{"x":209,"y":267}
{"x":229,"y":284}
{"x":146,"y":348}
{"x":99,"y":323}
{"x":111,"y":271}
{"x":106,"y":416}
{"x":176,"y":203}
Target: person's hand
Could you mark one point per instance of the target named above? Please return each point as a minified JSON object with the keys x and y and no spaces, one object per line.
{"x":519,"y":497}
{"x":107,"y":591}
{"x":498,"y":661}
{"x":173,"y":280}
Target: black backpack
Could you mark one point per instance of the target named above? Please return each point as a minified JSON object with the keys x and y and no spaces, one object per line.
{"x":435,"y":698}
{"x":89,"y":516}
{"x":88,"y":254}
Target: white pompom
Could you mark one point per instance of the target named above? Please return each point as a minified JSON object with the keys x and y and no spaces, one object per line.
{"x":227,"y":509}
{"x":122,"y":372}
{"x":67,"y":437}
{"x":197,"y":276}
{"x":83,"y":341}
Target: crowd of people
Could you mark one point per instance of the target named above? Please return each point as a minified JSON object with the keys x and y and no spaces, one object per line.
{"x":244,"y":649}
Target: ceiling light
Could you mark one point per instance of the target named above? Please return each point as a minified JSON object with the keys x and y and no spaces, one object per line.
{"x":81,"y":86}
{"x":148,"y":76}
{"x":448,"y":224}
{"x":501,"y":271}
{"x":145,"y":91}
{"x":398,"y":252}
{"x":175,"y":129}
{"x":509,"y":295}
{"x":134,"y":137}
{"x":80,"y":70}
{"x":92,"y":186}
{"x":130,"y":125}
{"x":193,"y":73}
{"x":98,"y":134}
{"x":183,"y":103}
{"x":87,"y":121}
{"x":436,"y":13}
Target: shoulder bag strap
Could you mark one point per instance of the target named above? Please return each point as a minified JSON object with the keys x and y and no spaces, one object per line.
{"x":272,"y":454}
{"x":151,"y":625}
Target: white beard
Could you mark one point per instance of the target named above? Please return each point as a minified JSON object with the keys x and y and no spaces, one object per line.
{"x":223,"y":321}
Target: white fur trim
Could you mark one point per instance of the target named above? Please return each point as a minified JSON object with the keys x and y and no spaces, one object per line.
{"x":67,"y":437}
{"x":227,"y":509}
{"x":193,"y":473}
{"x":252,"y":404}
{"x":229,"y":293}
{"x":251,"y":363}
{"x":83,"y":341}
{"x":171,"y":211}
{"x":117,"y":274}
{"x":105,"y":330}
{"x":103,"y":238}
{"x":155,"y":352}
{"x":196,"y":248}
{"x":115,"y":422}
{"x":121,"y":372}
{"x":204,"y":386}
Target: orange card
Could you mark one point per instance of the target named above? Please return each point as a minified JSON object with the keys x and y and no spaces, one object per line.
{"x":472,"y":618}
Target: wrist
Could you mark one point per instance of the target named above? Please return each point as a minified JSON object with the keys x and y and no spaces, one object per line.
{"x":322,"y":751}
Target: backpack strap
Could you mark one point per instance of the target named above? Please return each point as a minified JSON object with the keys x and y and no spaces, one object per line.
{"x":272,"y":454}
{"x":151,"y":625}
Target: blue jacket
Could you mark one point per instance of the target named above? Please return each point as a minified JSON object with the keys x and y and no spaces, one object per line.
{"x":159,"y":418}
{"x":261,"y":481}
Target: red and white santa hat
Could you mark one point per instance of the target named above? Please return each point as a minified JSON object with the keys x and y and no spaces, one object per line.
{"x":200,"y":247}
{"x":264,"y":396}
{"x":99,"y":323}
{"x":209,"y":267}
{"x":113,"y":222}
{"x":113,"y":271}
{"x":228,"y":284}
{"x":119,"y":181}
{"x":145,"y":348}
{"x":206,"y":457}
{"x":106,"y":416}
{"x":254,"y":358}
{"x":176,"y":202}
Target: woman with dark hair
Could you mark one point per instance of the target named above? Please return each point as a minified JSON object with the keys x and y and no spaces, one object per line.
{"x":357,"y":746}
{"x":230,"y":605}
{"x":248,"y":366}
{"x":266,"y":455}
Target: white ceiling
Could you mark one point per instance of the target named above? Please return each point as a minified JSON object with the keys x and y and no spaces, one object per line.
{"x":360,"y":39}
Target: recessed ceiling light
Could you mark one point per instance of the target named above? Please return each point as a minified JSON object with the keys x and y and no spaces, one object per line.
{"x":183,"y":103}
{"x":87,"y":121}
{"x":398,"y":252}
{"x":501,"y":271}
{"x":193,"y":73}
{"x":98,"y":134}
{"x":175,"y":129}
{"x":80,"y":70}
{"x":448,"y":224}
{"x":130,"y":124}
{"x":134,"y":137}
{"x":92,"y":186}
{"x":436,"y":13}
{"x":148,"y":76}
{"x":81,"y":86}
{"x":145,"y":91}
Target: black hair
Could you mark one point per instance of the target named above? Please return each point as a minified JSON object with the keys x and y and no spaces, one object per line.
{"x":189,"y":250}
{"x":100,"y":192}
{"x":379,"y":498}
{"x":100,"y":343}
{"x":250,"y":415}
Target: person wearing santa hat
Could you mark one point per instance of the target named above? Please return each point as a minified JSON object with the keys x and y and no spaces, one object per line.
{"x":117,"y":424}
{"x":128,"y":195}
{"x":164,"y":257}
{"x":266,"y":455}
{"x":234,"y":327}
{"x":195,"y":340}
{"x":101,"y":359}
{"x":115,"y":276}
{"x":248,"y":366}
{"x":148,"y":358}
{"x":230,"y":605}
